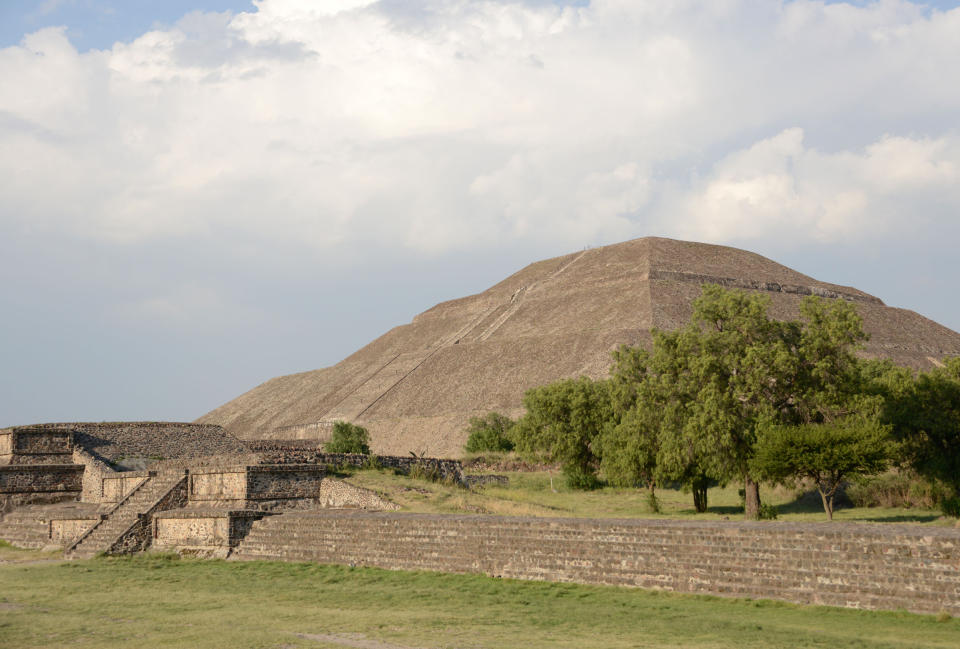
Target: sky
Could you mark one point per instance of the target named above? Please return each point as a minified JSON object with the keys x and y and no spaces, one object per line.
{"x":196,"y":196}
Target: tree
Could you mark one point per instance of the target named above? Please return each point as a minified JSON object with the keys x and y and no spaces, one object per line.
{"x":562,"y":421}
{"x":489,"y":433}
{"x":734,"y":369}
{"x":650,"y":399}
{"x":717,"y":384}
{"x":827,"y":453}
{"x":628,"y":443}
{"x":348,"y":438}
{"x":929,"y":426}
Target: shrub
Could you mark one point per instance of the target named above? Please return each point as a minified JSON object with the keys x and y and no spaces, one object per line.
{"x":894,"y":489}
{"x":489,"y":433}
{"x":580,"y":478}
{"x":767,"y":512}
{"x":348,"y":438}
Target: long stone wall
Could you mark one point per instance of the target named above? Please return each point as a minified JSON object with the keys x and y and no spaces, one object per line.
{"x":851,"y":565}
{"x":293,"y":454}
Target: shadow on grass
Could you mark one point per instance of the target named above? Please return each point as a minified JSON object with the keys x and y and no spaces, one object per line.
{"x":723,"y":510}
{"x":903,"y":518}
{"x":809,"y":502}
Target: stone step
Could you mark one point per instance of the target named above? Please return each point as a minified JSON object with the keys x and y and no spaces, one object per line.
{"x":733,"y":584}
{"x":125,"y":515}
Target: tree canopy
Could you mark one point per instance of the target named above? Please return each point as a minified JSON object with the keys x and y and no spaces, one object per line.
{"x":348,"y":438}
{"x":562,"y":422}
{"x":827,"y":453}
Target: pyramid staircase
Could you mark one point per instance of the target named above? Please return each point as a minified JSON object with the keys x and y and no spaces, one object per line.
{"x":150,"y":496}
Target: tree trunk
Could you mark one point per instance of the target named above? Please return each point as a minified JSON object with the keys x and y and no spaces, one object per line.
{"x":827,"y":504}
{"x":699,"y":487}
{"x":751,"y":497}
{"x":652,"y":503}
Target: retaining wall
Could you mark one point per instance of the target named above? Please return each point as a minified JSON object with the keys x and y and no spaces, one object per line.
{"x":293,"y":454}
{"x":202,"y":531}
{"x":41,"y":478}
{"x":276,"y":487}
{"x":25,"y":445}
{"x":852,"y":565}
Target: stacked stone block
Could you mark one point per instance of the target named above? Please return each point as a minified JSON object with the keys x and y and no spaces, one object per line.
{"x":861,"y":566}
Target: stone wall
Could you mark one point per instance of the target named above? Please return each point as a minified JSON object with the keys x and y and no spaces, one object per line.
{"x":265,"y":487}
{"x":295,"y":454}
{"x":338,"y":494}
{"x":117,"y":485}
{"x":137,"y":444}
{"x":28,"y":445}
{"x":861,"y":566}
{"x":210,"y":532}
{"x":213,"y":485}
{"x":94,"y":473}
{"x":277,"y":487}
{"x":39,"y":478}
{"x":64,"y":531}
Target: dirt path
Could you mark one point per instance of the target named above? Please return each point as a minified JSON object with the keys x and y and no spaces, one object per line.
{"x":356,"y":640}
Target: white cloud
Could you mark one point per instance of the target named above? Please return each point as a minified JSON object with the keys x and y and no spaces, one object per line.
{"x":781,"y":188}
{"x":347,"y":124}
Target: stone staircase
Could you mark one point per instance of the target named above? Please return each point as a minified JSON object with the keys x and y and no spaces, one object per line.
{"x":142,"y":501}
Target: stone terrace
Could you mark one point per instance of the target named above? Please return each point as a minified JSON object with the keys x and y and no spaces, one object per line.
{"x":851,"y":565}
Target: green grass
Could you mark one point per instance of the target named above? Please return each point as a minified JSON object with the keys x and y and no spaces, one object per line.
{"x":12,"y":554}
{"x":531,"y":494}
{"x":160,"y":601}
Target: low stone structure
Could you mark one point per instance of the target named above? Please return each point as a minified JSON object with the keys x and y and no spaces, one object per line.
{"x":836,"y":564}
{"x":270,"y":487}
{"x":22,"y":484}
{"x":202,"y":531}
{"x":286,"y":453}
{"x":29,"y":445}
{"x":65,"y":529}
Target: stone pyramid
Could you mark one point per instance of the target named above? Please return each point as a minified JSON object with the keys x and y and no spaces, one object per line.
{"x":416,"y":386}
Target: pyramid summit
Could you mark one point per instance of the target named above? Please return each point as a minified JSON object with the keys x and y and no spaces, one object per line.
{"x":416,"y":386}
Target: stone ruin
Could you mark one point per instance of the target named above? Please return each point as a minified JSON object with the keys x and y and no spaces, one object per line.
{"x":123,"y":487}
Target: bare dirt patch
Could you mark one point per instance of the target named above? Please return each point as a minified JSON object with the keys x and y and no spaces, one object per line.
{"x":357,"y":640}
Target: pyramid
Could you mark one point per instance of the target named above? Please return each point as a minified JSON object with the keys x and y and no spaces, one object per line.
{"x":416,"y":386}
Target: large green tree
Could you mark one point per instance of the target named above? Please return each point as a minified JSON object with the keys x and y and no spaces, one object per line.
{"x":709,"y":391}
{"x":562,"y":423}
{"x":925,"y":413}
{"x":827,"y":453}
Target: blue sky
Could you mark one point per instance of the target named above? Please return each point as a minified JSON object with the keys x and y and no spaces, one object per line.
{"x":188,"y":212}
{"x":98,"y":24}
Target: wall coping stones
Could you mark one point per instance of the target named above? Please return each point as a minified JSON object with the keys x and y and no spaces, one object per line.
{"x":211,"y":512}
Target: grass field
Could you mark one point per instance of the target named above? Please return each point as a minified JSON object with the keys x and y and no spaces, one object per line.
{"x":160,"y":601}
{"x":533,"y":494}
